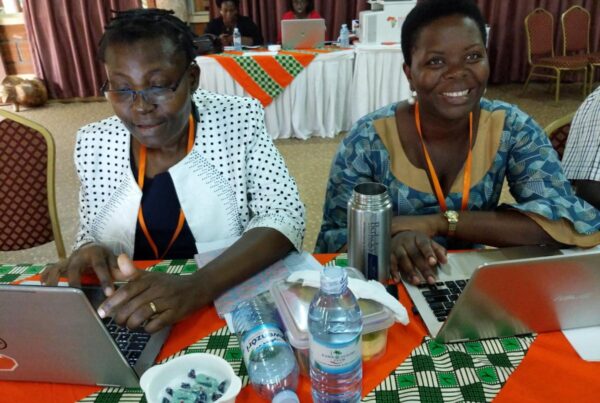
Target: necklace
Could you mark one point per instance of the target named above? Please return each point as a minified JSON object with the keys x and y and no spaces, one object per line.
{"x":141,"y":177}
{"x":431,"y":169}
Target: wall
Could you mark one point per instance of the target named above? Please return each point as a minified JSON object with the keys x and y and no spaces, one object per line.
{"x":15,"y":52}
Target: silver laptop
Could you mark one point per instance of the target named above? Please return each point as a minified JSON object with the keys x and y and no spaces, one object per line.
{"x":303,"y":34}
{"x":53,"y":334}
{"x":510,"y":291}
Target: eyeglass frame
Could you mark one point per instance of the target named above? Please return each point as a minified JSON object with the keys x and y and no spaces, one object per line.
{"x":142,"y":93}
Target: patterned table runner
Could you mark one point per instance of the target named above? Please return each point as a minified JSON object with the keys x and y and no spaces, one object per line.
{"x":455,"y":372}
{"x":10,"y":273}
{"x":433,"y":372}
{"x":264,"y":77}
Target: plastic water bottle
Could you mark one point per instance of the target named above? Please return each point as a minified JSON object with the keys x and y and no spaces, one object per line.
{"x":237,"y":39}
{"x":335,"y":328}
{"x":344,"y":37}
{"x":272,"y":367}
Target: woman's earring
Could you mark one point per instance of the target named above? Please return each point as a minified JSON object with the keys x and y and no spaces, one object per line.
{"x":412,"y":99}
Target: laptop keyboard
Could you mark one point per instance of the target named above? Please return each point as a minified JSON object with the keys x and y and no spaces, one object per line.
{"x":130,"y":342}
{"x":441,"y":296}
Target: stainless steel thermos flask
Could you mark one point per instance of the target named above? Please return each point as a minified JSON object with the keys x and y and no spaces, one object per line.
{"x":369,"y":226}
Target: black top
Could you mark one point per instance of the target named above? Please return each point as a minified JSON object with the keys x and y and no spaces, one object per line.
{"x":160,"y":206}
{"x":245,"y":24}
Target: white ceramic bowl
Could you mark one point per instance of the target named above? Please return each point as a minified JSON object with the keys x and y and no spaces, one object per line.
{"x":170,"y":374}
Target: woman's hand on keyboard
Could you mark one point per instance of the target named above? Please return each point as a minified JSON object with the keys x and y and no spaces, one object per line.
{"x":415,"y":256}
{"x":90,"y":258}
{"x":151,"y":299}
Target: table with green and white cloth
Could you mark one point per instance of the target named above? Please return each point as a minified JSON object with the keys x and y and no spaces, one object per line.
{"x":414,"y":368}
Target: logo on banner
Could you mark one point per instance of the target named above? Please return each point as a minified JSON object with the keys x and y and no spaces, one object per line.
{"x":6,"y":363}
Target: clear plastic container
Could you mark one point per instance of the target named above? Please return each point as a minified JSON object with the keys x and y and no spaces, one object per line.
{"x":293,"y":301}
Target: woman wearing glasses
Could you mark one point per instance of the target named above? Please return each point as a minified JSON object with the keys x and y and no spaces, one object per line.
{"x":176,"y":171}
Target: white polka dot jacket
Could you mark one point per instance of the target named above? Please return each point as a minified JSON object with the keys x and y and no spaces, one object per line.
{"x":233,"y":180}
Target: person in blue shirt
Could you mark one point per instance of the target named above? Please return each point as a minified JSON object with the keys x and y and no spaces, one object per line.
{"x":445,"y":154}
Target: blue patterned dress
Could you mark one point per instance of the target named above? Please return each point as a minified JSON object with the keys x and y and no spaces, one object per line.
{"x":509,"y":146}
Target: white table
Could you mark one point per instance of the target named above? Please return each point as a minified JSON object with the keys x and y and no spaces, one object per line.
{"x":316,"y":103}
{"x":378,"y":78}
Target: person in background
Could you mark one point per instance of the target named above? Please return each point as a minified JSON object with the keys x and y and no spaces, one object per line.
{"x":445,"y":154}
{"x":581,"y":158}
{"x":298,"y":10}
{"x":175,"y":172}
{"x":230,"y":18}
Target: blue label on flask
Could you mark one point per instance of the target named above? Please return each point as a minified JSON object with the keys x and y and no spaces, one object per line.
{"x":372,"y":267}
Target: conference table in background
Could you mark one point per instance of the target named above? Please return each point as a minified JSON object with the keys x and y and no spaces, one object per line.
{"x":378,"y":78}
{"x":328,"y":96}
{"x":551,"y":371}
{"x":316,"y":103}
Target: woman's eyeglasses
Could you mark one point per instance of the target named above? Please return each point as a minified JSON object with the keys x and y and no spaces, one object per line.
{"x":151,"y":95}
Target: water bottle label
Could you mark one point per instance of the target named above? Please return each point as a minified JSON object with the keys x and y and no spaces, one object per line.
{"x":260,"y":336}
{"x":335,"y":358}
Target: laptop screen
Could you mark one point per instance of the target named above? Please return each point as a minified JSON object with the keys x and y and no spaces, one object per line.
{"x":302,"y":34}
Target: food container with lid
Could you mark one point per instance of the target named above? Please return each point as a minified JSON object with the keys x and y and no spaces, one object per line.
{"x":293,"y":300}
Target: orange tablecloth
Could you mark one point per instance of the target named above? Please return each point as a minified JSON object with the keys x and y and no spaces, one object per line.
{"x":550,"y":372}
{"x":264,"y":77}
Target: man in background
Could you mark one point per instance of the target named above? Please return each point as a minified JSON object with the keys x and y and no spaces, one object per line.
{"x":581,"y":159}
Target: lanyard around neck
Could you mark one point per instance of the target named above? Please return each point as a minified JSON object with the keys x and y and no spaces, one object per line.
{"x":433,"y":175}
{"x":141,"y":176}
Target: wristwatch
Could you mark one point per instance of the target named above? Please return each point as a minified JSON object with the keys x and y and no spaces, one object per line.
{"x":452,"y":217}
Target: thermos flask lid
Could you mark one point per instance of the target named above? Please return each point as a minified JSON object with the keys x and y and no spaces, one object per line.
{"x":370,"y":188}
{"x":370,"y":195}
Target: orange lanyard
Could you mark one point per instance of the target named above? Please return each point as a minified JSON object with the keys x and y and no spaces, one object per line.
{"x":141,"y":173}
{"x":434,"y":178}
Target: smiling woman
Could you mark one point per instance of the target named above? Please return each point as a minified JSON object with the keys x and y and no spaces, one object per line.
{"x":445,"y":154}
{"x":175,"y":171}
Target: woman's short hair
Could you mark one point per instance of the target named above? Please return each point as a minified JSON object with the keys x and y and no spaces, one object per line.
{"x":137,"y":24}
{"x":235,"y":2}
{"x":310,"y":5}
{"x":428,"y":11}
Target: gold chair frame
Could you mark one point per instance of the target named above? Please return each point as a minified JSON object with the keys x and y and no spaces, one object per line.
{"x":557,"y":70}
{"x":592,"y":65}
{"x":50,"y":174}
{"x":557,"y":124}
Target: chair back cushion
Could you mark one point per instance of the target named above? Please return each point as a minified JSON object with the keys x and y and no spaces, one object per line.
{"x":539,"y":26}
{"x":576,"y":30}
{"x":24,"y":215}
{"x":558,"y":138}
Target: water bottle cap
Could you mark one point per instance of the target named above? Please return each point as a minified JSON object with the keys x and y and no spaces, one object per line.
{"x":286,"y":396}
{"x":334,"y":279}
